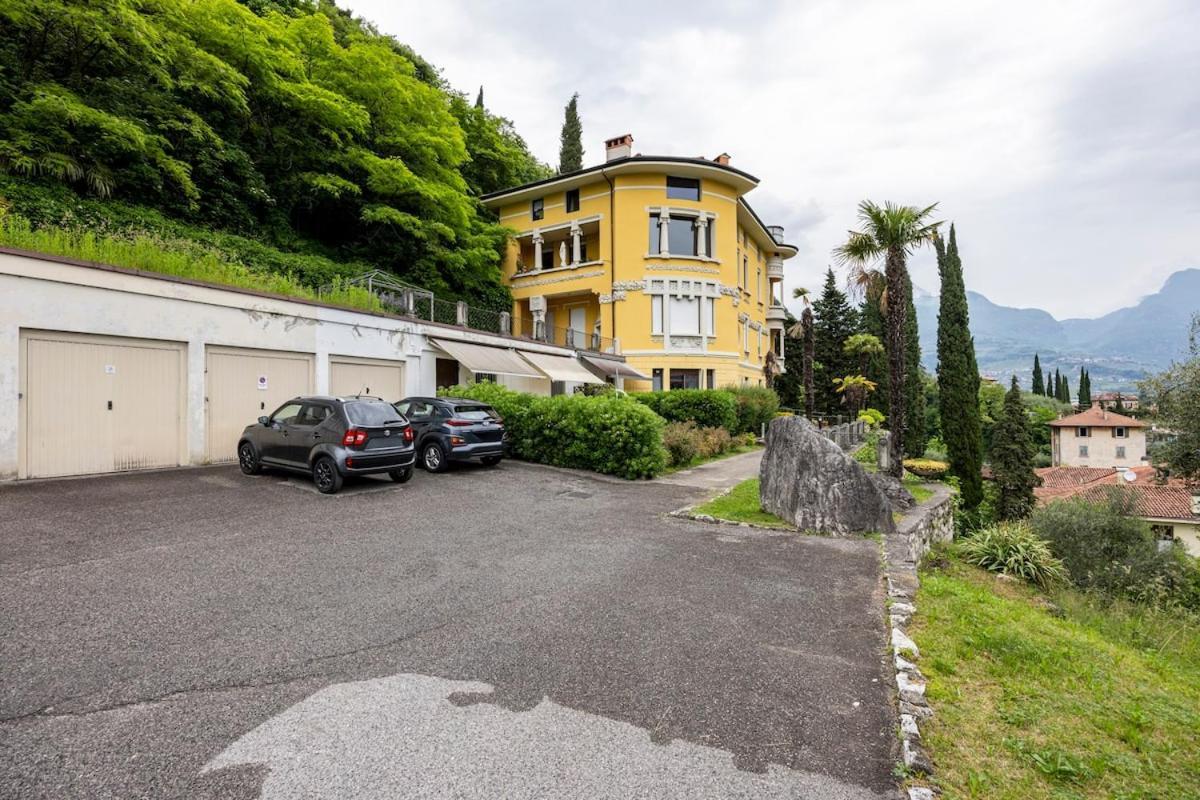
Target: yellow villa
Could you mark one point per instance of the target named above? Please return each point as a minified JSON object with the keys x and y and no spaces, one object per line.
{"x":660,"y":259}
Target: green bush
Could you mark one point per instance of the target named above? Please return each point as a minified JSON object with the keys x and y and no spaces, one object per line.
{"x":708,"y":408}
{"x":1014,"y":549}
{"x":607,"y":433}
{"x":872,"y":416}
{"x":682,"y":440}
{"x":755,"y":406}
{"x":1107,"y":549}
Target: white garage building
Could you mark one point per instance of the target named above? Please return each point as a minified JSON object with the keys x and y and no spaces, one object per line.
{"x":105,"y":369}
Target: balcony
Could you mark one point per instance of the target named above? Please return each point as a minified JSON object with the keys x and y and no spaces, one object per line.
{"x":776,"y":316}
{"x":567,"y":337}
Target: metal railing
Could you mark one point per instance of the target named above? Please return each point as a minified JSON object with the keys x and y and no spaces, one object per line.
{"x":567,"y":337}
{"x":407,"y":300}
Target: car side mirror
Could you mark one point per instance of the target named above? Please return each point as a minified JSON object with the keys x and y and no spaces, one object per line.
{"x":264,"y":421}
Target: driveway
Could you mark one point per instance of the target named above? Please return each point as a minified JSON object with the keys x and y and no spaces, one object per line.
{"x":518,"y":632}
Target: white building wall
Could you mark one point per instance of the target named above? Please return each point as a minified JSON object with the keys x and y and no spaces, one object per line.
{"x":41,"y":294}
{"x":1102,"y":448}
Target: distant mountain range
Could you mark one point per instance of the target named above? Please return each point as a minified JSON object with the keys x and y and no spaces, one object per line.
{"x":1118,"y":348}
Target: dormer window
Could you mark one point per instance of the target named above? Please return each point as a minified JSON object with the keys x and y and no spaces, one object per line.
{"x":683,"y":188}
{"x":537,"y":208}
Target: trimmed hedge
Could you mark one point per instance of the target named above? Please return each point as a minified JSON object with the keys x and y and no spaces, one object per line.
{"x":708,"y":408}
{"x":927,"y":468}
{"x":756,"y":406}
{"x":605,"y":433}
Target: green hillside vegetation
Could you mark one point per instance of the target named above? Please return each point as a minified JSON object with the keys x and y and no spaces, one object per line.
{"x":290,"y":136}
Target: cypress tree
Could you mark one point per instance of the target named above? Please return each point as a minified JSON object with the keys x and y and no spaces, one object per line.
{"x":835,"y":323}
{"x":1056,"y":393}
{"x":1037,"y":387}
{"x":958,"y":376}
{"x":1012,"y":458}
{"x":915,"y":436}
{"x":479,"y":98}
{"x":1066,"y":389}
{"x":570,"y":151}
{"x":1085,"y":391}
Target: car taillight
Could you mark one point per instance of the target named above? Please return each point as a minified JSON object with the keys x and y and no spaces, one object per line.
{"x":459,"y":423}
{"x":408,"y":434}
{"x":354,"y":438}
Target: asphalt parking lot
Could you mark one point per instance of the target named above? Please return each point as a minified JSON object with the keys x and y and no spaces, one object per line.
{"x":515,"y":632}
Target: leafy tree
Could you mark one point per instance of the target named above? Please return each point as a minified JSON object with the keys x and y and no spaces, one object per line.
{"x":854,"y":390}
{"x":1012,"y":459}
{"x":287,"y":120}
{"x":915,"y":436}
{"x":804,"y":330}
{"x":790,"y":385}
{"x":1038,"y":386}
{"x":958,"y":377}
{"x":863,"y":346}
{"x":1176,"y":392}
{"x":570,"y":151}
{"x":890,"y":233}
{"x":834,"y":322}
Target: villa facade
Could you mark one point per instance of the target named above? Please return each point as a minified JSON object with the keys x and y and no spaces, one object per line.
{"x":660,"y":259}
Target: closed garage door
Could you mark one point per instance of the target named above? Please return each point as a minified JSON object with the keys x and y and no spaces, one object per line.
{"x":366,"y":376}
{"x":242,"y":385}
{"x":99,"y":404}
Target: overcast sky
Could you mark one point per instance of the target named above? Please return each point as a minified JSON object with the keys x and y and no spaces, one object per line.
{"x":1063,"y":138}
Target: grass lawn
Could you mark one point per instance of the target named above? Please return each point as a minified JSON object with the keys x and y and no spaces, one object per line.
{"x":1065,"y":700}
{"x":741,"y":505}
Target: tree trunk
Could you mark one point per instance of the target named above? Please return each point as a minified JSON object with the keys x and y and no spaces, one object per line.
{"x":806,"y":318}
{"x":897,"y":310}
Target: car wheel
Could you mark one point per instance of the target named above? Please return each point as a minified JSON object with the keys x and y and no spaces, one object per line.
{"x":326,"y":475}
{"x":490,"y":461}
{"x":248,"y":459}
{"x":433,"y":457}
{"x":401,"y":475}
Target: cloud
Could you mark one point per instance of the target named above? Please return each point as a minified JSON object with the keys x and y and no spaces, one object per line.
{"x":1061,"y":138}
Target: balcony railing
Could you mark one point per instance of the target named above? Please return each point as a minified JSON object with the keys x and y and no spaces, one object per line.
{"x":567,"y":337}
{"x":405,"y":300}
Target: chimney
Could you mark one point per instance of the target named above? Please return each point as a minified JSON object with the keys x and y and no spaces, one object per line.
{"x":620,"y":147}
{"x":723,"y":159}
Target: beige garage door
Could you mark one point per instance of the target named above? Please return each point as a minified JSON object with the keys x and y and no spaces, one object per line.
{"x":366,"y":376}
{"x":242,"y":385}
{"x":100,"y":404}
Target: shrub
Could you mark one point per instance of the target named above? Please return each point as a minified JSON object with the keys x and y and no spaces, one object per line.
{"x":607,"y":433}
{"x":926,"y":468}
{"x":746,"y":440}
{"x":1107,"y":549}
{"x":714,"y":442}
{"x":708,"y":408}
{"x":682,"y":441}
{"x":872,"y":416}
{"x":1014,"y":549}
{"x":935,"y":449}
{"x":867,"y":453}
{"x":755,"y":407}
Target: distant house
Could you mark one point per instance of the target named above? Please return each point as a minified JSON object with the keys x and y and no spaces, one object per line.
{"x":1109,"y":400}
{"x":1097,"y":438}
{"x":1171,"y":507}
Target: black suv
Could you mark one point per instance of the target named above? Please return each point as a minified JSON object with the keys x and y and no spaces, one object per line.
{"x":331,"y":438}
{"x":453,"y":429}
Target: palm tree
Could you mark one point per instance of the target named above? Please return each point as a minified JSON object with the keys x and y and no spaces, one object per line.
{"x":803,"y":330}
{"x":863,"y":345}
{"x":854,"y":390}
{"x":889,"y":234}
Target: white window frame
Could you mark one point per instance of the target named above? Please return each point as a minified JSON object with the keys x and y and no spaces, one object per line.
{"x":661,"y":290}
{"x":1120,"y":432}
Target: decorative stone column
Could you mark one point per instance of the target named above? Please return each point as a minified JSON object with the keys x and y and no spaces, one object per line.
{"x":537,"y":249}
{"x":460,"y":313}
{"x":664,"y":233}
{"x":701,"y":237}
{"x":576,"y":243}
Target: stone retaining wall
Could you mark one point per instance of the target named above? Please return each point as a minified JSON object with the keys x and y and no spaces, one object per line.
{"x":934,"y":524}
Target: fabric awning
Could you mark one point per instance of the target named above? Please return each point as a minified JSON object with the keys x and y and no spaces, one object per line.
{"x":612,"y":368}
{"x":560,"y":368}
{"x":493,"y":360}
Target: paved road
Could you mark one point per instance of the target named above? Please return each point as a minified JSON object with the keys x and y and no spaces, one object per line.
{"x":519,"y":632}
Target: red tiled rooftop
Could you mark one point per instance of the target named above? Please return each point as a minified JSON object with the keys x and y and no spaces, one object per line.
{"x":1096,"y":417}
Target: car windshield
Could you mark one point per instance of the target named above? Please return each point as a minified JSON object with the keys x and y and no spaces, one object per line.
{"x":370,"y":414}
{"x":475,"y":412}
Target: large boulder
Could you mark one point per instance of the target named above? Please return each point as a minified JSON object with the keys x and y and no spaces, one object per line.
{"x":808,"y":481}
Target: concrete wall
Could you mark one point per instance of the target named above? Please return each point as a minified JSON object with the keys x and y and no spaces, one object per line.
{"x":45,"y":294}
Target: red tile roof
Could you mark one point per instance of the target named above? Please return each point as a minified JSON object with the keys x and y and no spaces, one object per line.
{"x":1172,"y":500}
{"x":1096,"y":417}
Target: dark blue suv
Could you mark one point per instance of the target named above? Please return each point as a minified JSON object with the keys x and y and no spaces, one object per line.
{"x":331,"y":438}
{"x":453,"y":429}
